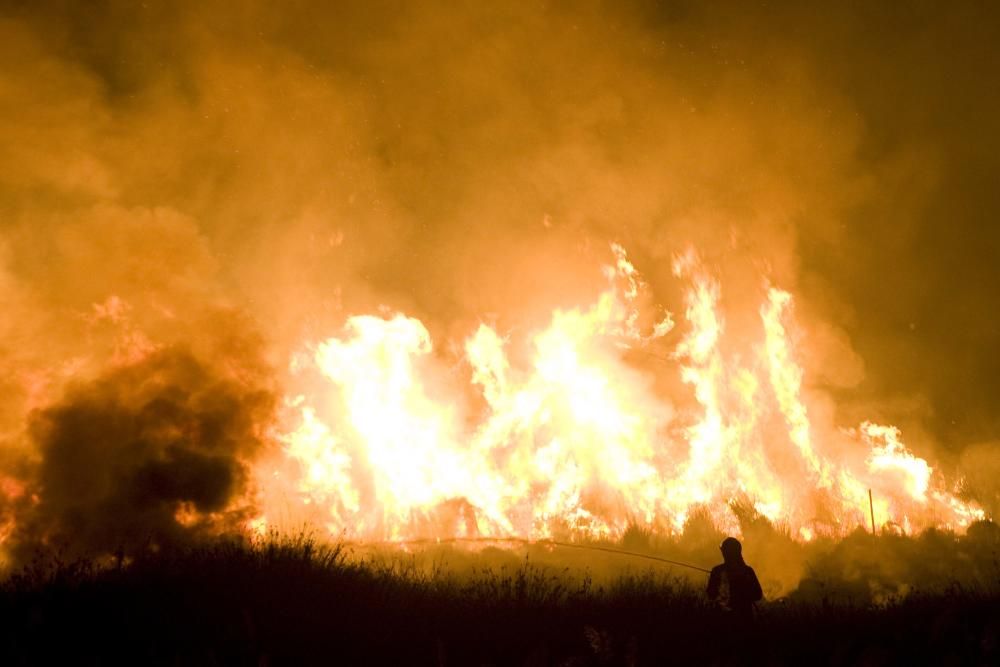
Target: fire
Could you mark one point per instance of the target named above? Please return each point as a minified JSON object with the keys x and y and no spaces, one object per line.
{"x":572,"y":439}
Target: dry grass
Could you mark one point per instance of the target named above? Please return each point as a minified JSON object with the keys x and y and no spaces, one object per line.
{"x":297,"y":602}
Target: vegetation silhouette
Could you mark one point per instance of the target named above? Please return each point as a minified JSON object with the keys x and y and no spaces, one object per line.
{"x":295,"y":601}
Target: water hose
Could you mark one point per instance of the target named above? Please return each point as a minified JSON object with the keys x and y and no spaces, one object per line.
{"x":527,"y":542}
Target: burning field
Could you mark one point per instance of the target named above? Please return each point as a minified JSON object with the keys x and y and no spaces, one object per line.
{"x":433,"y":311}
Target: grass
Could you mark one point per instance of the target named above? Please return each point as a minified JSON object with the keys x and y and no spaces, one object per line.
{"x":297,"y":602}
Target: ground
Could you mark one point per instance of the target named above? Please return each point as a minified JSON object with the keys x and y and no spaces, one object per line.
{"x":295,"y":602}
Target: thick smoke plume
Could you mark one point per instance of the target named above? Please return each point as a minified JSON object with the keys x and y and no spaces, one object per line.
{"x":147,"y":455}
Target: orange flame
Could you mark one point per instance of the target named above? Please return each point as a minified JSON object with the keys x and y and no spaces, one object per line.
{"x":576,"y":441}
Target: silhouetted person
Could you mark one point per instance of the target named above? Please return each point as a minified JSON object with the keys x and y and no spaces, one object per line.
{"x":733,"y":586}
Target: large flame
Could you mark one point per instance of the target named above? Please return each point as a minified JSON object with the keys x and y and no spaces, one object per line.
{"x":575,"y":440}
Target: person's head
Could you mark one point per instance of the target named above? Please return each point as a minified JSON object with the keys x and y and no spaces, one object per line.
{"x":732,"y":550}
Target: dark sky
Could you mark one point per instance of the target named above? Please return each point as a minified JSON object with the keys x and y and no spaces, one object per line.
{"x":917,"y":260}
{"x":304,"y":160}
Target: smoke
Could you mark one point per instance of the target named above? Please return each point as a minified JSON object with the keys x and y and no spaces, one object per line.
{"x":480,"y":151}
{"x":980,"y":468}
{"x":288,"y":166}
{"x":150,"y":454}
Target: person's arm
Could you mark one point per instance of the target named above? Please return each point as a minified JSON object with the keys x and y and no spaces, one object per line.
{"x":713,"y":584}
{"x":755,"y":591}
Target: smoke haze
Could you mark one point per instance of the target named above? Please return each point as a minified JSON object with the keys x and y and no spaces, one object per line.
{"x":191,"y":191}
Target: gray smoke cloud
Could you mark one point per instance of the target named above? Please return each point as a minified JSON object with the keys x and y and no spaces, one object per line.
{"x":121,"y":456}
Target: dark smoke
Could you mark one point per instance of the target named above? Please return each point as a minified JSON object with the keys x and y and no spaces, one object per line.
{"x":120,"y":456}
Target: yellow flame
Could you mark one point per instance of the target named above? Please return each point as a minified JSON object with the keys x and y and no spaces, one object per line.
{"x":575,"y":440}
{"x":786,"y":381}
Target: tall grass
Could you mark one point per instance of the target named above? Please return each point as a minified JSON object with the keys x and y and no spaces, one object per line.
{"x":296,"y":601}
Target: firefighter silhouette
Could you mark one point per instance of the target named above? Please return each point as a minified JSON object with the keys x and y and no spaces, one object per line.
{"x":733,"y":585}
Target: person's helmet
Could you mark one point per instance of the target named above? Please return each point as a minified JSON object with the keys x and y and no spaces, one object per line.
{"x":731,"y":548}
